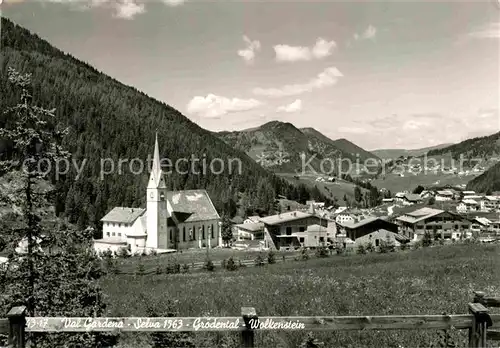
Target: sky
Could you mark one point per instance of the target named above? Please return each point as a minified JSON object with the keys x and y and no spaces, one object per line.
{"x":393,"y":74}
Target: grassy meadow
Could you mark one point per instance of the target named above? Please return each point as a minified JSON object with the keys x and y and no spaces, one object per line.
{"x":433,"y":280}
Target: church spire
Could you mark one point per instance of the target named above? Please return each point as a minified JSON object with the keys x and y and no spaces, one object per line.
{"x":156,"y":176}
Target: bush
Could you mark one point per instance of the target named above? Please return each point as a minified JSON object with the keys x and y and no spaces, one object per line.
{"x":231,"y":264}
{"x":123,"y":252}
{"x":173,"y":268}
{"x":322,"y":252}
{"x":304,"y":255}
{"x":311,"y":342}
{"x":140,"y":269}
{"x":427,"y":240}
{"x":403,"y":246}
{"x":209,"y":265}
{"x":387,"y":246}
{"x":259,"y":261}
{"x":370,"y":248}
{"x":159,"y":269}
{"x":185,"y":268}
{"x":271,"y":257}
{"x":361,"y":249}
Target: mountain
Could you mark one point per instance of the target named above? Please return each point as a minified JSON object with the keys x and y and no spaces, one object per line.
{"x":348,"y":149}
{"x":283,"y":148}
{"x":396,"y":153}
{"x":487,"y":182}
{"x":109,"y":122}
{"x":480,"y":147}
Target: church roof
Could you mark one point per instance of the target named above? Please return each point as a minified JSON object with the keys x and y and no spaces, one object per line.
{"x":196,"y":202}
{"x":123,"y":215}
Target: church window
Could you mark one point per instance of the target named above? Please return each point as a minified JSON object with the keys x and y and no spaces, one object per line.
{"x":170,"y":234}
{"x":107,"y":233}
{"x":184,"y":234}
{"x":194,"y":233}
{"x":119,"y":234}
{"x":162,"y":196}
{"x":211,"y":231}
{"x":190,"y":234}
{"x":203,"y":232}
{"x":113,"y":234}
{"x":119,"y":225}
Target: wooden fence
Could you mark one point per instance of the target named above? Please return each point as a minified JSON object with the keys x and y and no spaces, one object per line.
{"x":482,"y":325}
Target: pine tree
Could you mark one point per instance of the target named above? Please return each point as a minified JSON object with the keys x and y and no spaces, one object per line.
{"x":58,"y":273}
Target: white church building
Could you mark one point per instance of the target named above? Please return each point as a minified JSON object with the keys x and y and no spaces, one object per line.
{"x":172,"y":220}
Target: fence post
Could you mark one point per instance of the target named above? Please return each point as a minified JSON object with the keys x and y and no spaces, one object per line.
{"x":477,"y":333}
{"x":17,"y":322}
{"x":251,"y":321}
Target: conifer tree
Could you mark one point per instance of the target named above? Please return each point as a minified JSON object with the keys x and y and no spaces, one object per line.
{"x":52,"y":271}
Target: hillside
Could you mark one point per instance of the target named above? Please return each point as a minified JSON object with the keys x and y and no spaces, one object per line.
{"x":108,"y":120}
{"x":481,"y":148}
{"x":487,"y":182}
{"x":279,"y":147}
{"x":396,"y":153}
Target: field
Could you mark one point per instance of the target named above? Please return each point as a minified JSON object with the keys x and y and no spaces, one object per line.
{"x":409,"y":182}
{"x":432,"y":280}
{"x":338,"y":189}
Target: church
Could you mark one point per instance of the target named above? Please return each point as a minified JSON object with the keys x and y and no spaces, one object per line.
{"x":172,"y":220}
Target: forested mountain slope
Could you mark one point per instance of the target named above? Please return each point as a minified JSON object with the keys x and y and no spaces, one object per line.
{"x":109,"y":121}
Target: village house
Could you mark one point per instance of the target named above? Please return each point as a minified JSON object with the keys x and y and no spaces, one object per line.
{"x":349,"y":215}
{"x":411,"y":198}
{"x":467,"y":205}
{"x":426,"y":194}
{"x":444,"y":195}
{"x":280,"y":231}
{"x":172,"y":220}
{"x":360,"y":231}
{"x":252,"y":219}
{"x":480,"y":224}
{"x":380,"y":236}
{"x":490,"y":203}
{"x":315,"y":236}
{"x":249,"y":231}
{"x":446,"y":224}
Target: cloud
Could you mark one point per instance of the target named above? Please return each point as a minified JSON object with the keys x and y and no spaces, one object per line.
{"x":369,"y":33}
{"x":126,"y":9}
{"x":173,"y":2}
{"x":326,"y":78}
{"x":295,"y":106}
{"x":488,"y":31}
{"x":248,"y":54}
{"x":321,"y":50}
{"x":213,"y":106}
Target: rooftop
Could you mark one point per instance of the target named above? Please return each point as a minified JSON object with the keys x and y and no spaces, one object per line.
{"x":285,"y":217}
{"x":357,"y":224}
{"x":251,"y":227}
{"x":196,"y":202}
{"x":316,"y":228}
{"x":123,"y":215}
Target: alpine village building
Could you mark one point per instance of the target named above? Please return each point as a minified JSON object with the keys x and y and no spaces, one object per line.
{"x":172,"y":220}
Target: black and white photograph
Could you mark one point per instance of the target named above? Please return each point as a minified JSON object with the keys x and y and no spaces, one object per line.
{"x":250,"y":173}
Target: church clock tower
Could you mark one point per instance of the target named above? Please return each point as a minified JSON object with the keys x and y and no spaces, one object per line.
{"x":156,"y":206}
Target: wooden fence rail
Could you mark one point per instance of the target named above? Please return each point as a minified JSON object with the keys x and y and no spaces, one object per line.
{"x":481,"y":324}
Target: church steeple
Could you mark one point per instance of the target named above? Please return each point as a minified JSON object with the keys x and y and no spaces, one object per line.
{"x":156,"y":177}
